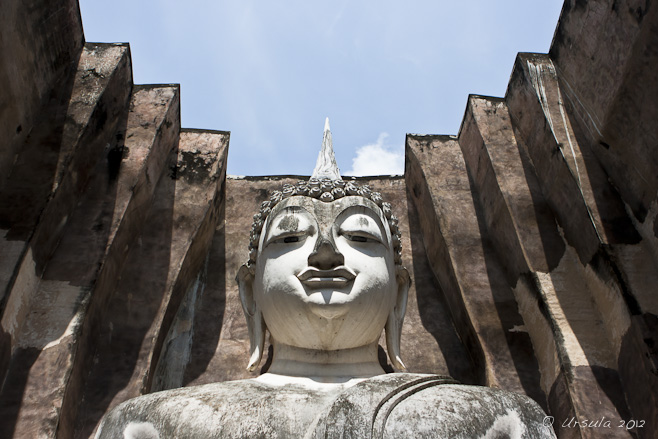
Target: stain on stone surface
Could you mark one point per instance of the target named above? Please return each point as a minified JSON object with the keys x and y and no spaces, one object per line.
{"x":194,"y":167}
{"x":579,"y":4}
{"x":640,"y":211}
{"x":601,"y":263}
{"x":262,"y":194}
{"x":651,"y":339}
{"x":637,"y":13}
{"x":100,"y":116}
{"x":289,"y":223}
{"x":173,"y":172}
{"x":114,"y":158}
{"x":622,"y":229}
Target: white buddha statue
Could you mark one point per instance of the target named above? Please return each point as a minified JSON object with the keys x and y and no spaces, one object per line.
{"x":324,"y":277}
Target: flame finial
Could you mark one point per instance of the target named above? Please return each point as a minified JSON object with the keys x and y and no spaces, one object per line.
{"x":326,"y":166}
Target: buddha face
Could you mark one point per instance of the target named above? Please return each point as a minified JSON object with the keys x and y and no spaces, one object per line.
{"x":325,"y":276}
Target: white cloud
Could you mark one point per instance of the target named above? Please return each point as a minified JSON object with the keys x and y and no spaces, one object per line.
{"x":378,"y":159}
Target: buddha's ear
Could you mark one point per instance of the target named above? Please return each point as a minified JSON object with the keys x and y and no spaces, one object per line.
{"x":252,"y":313}
{"x":396,"y":317}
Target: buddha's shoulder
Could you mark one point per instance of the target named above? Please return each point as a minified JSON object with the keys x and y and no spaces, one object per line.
{"x":463,"y":411}
{"x":226,"y":409}
{"x":418,"y":406}
{"x":215,"y":394}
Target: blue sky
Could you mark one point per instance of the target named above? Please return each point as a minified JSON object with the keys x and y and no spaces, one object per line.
{"x":270,"y":72}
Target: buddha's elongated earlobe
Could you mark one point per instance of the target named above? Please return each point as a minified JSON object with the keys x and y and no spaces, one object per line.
{"x":252,"y":312}
{"x":396,"y":318}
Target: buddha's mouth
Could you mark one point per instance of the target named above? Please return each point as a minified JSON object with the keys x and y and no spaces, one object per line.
{"x":335,"y":278}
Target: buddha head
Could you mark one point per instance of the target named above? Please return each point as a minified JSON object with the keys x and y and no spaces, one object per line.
{"x":324,"y":270}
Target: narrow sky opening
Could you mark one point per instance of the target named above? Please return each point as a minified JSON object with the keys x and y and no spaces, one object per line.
{"x":270,"y":72}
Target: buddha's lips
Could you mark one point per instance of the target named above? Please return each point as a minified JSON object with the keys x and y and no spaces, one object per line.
{"x":337,"y":277}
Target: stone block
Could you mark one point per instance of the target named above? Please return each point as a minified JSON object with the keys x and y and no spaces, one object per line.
{"x":183,"y":217}
{"x":467,"y":267}
{"x":605,"y":56}
{"x":638,"y":369}
{"x":579,"y":368}
{"x":522,"y":226}
{"x":52,"y":169}
{"x":597,"y":397}
{"x":591,"y":47}
{"x":573,"y":298}
{"x":588,"y":208}
{"x":45,"y":368}
{"x":99,"y":99}
{"x":40,"y":42}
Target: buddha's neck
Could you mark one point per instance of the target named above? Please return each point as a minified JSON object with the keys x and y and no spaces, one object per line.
{"x":327,"y":366}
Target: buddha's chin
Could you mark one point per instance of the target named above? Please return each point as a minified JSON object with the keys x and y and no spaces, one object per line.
{"x":328,"y":304}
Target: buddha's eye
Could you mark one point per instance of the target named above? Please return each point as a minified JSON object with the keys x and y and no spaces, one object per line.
{"x":288,"y":239}
{"x":360,"y":229}
{"x":360,"y":237}
{"x":289,"y":229}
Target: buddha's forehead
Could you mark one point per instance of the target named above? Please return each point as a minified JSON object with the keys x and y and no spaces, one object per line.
{"x":326,"y":212}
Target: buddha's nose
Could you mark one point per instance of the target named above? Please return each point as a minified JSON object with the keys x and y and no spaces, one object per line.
{"x":325,"y":255}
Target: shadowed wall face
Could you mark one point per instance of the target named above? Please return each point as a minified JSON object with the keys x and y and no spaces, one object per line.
{"x":40,"y":42}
